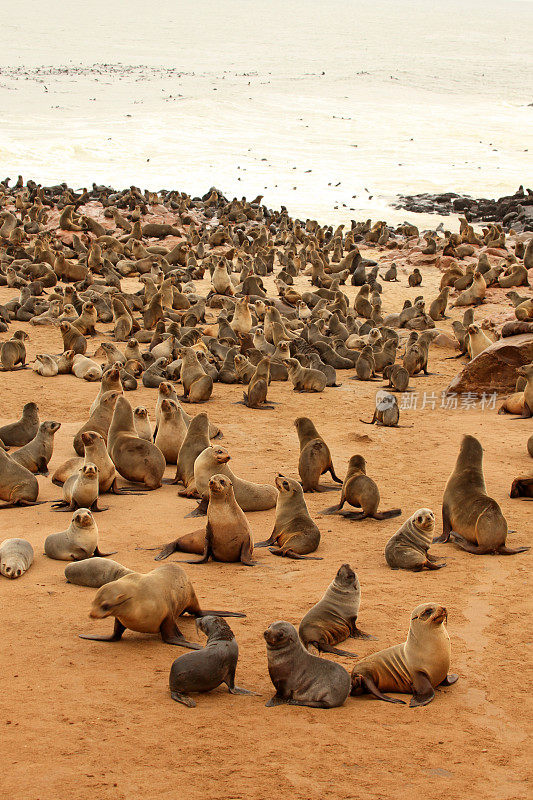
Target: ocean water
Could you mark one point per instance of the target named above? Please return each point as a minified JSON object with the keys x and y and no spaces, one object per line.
{"x":330,"y":108}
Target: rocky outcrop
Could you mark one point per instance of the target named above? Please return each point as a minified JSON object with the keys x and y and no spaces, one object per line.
{"x":495,"y":369}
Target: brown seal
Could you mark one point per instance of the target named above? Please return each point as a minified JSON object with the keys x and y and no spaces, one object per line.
{"x":360,"y":491}
{"x":408,"y":547}
{"x":227,"y":536}
{"x":150,"y":603}
{"x":78,"y":542}
{"x":135,"y":459}
{"x":94,"y":572}
{"x":523,"y":488}
{"x":36,"y":454}
{"x":315,"y":457}
{"x":386,"y":411}
{"x":530,"y":445}
{"x":16,"y":557}
{"x":73,"y":339}
{"x":197,"y":385}
{"x":18,"y":486}
{"x":99,"y":421}
{"x":207,"y":668}
{"x":304,"y":379}
{"x":256,"y":395}
{"x":475,"y":293}
{"x":13,"y":352}
{"x":21,"y":432}
{"x":520,"y":403}
{"x":418,"y":665}
{"x":171,"y":431}
{"x":334,"y":618}
{"x":295,"y":534}
{"x":95,"y":453}
{"x":195,"y":442}
{"x":469,"y":515}
{"x":80,"y":490}
{"x":301,"y":679}
{"x":250,"y":496}
{"x":110,"y":383}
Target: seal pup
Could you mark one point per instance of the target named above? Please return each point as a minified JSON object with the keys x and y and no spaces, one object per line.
{"x":207,"y":668}
{"x":315,"y":457}
{"x":302,"y":679}
{"x":250,"y":496}
{"x":16,"y":557}
{"x":418,"y":665}
{"x":386,"y":411}
{"x":80,"y":490}
{"x":141,"y":420}
{"x":408,"y":547}
{"x":334,"y":618}
{"x":45,"y":365}
{"x":21,"y":432}
{"x":36,"y":455}
{"x":135,"y":459}
{"x":360,"y":491}
{"x":78,"y":542}
{"x":18,"y":486}
{"x":227,"y":536}
{"x":295,"y":534}
{"x":469,"y":515}
{"x":150,"y":603}
{"x":94,"y":572}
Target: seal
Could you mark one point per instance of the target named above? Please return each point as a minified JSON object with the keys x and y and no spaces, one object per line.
{"x":80,"y":490}
{"x":469,"y":515}
{"x":78,"y":542}
{"x":171,"y":431}
{"x":86,"y":369}
{"x":150,"y":603}
{"x":386,"y":411}
{"x":94,"y":572}
{"x":475,"y":294}
{"x":315,"y":457}
{"x":250,"y":496}
{"x":110,"y":383}
{"x":227,"y":536}
{"x":417,"y":666}
{"x":360,"y":491}
{"x":523,"y":488}
{"x":304,"y":379}
{"x":520,"y":403}
{"x":99,"y":421}
{"x":135,"y":459}
{"x":18,"y":486}
{"x":256,"y":395}
{"x":334,"y":618}
{"x":195,"y":442}
{"x":36,"y":455}
{"x":95,"y":453}
{"x":141,"y":419}
{"x":207,"y":668}
{"x":16,"y":557}
{"x":530,"y":445}
{"x":302,"y":679}
{"x":408,"y":548}
{"x":21,"y":432}
{"x":13,"y":352}
{"x":45,"y":365}
{"x":295,"y":534}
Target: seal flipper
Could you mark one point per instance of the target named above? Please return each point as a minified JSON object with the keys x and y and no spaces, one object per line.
{"x":98,"y":553}
{"x":510,"y":551}
{"x":357,"y":633}
{"x":118,"y":630}
{"x":394,"y":512}
{"x":213,"y":612}
{"x":276,"y":700}
{"x":200,"y":510}
{"x":171,"y":634}
{"x":450,"y":679}
{"x":332,"y":509}
{"x":332,"y":473}
{"x":371,"y":688}
{"x":446,"y":528}
{"x":267,"y":542}
{"x":278,"y":551}
{"x":327,"y":648}
{"x":183,"y":698}
{"x":423,"y":690}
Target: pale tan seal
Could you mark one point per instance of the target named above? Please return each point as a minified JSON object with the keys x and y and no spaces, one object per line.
{"x":304,"y":379}
{"x":408,"y":547}
{"x":78,"y":542}
{"x":16,"y":557}
{"x":80,"y":490}
{"x":141,"y":419}
{"x":99,"y":421}
{"x":360,"y":491}
{"x":315,"y":457}
{"x":171,"y":431}
{"x":301,"y":679}
{"x":227,"y":536}
{"x":418,"y":665}
{"x":135,"y":459}
{"x":469,"y":515}
{"x":36,"y":455}
{"x":150,"y":603}
{"x":334,"y":618}
{"x":18,"y":486}
{"x":294,"y":534}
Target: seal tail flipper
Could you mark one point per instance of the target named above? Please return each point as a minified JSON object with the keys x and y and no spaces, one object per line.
{"x":326,"y":648}
{"x":206,"y":612}
{"x":331,"y":509}
{"x":278,"y":551}
{"x":335,"y":477}
{"x":450,"y":679}
{"x":118,"y":630}
{"x":184,"y":699}
{"x":238,"y":690}
{"x":200,"y":510}
{"x":21,"y":503}
{"x":510,"y":551}
{"x":394,"y":512}
{"x":98,"y":553}
{"x":371,"y":688}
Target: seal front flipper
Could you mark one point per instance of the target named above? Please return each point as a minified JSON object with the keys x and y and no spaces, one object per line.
{"x":200,"y":510}
{"x":171,"y":634}
{"x":183,"y":698}
{"x":449,"y":680}
{"x":98,"y":553}
{"x":357,"y":633}
{"x":331,"y":509}
{"x":277,"y":700}
{"x":510,"y":551}
{"x":118,"y":630}
{"x":206,"y":612}
{"x":278,"y":551}
{"x":423,"y":690}
{"x":446,"y":528}
{"x":269,"y":541}
{"x":371,"y":688}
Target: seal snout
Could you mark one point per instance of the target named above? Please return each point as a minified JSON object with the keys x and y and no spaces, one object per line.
{"x":440,"y":615}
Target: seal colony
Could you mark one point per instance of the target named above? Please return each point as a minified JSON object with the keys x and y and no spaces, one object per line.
{"x":207,"y":311}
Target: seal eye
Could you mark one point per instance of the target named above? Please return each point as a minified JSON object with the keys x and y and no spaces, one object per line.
{"x":285,"y":485}
{"x":105,"y":607}
{"x":425,"y":614}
